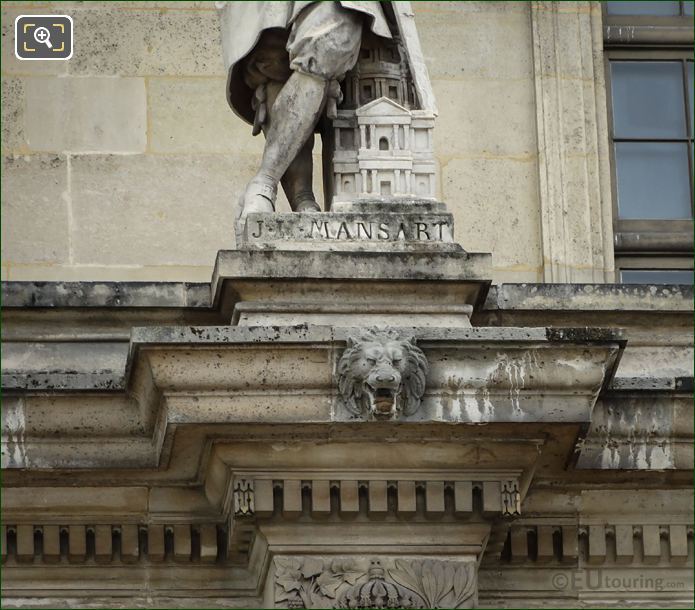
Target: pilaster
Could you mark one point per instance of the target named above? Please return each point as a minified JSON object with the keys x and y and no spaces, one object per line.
{"x":573,"y":161}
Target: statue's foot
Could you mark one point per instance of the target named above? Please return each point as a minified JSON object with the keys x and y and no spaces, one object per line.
{"x":259,"y":197}
{"x":308,"y":204}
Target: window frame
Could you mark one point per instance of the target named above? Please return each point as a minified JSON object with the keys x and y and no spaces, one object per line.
{"x":645,"y":244}
{"x":629,"y":225}
{"x":661,"y":263}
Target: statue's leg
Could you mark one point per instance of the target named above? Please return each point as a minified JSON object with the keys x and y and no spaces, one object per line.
{"x":297,"y":182}
{"x":294,"y":115}
{"x":323,"y":44}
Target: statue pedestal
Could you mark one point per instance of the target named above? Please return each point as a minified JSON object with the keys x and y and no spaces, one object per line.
{"x":350,"y":288}
{"x":386,"y":262}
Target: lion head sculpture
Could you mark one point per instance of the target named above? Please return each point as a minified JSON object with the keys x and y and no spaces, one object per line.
{"x":381,"y":375}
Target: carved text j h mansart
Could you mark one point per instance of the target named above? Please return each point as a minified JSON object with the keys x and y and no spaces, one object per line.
{"x":342,"y":229}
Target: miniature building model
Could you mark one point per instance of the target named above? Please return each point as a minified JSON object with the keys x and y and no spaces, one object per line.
{"x":383,"y":145}
{"x":384,"y":150}
{"x":381,"y":71}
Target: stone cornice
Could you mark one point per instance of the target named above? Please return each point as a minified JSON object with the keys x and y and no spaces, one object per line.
{"x":206,"y":376}
{"x":508,"y":297}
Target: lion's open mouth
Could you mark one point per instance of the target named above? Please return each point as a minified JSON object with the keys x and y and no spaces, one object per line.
{"x":382,"y":400}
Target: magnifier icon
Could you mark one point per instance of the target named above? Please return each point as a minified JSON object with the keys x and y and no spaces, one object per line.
{"x":43,"y":36}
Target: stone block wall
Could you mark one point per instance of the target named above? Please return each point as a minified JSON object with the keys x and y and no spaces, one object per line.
{"x":125,"y":162}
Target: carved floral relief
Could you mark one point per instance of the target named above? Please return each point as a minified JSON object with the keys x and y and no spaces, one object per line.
{"x":310,"y":582}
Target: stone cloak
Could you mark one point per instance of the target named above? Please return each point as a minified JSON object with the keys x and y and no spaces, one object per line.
{"x":242,"y":24}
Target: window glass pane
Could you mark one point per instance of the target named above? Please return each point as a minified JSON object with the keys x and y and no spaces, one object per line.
{"x":653,"y":180}
{"x":688,"y":8}
{"x":643,"y":8}
{"x":691,"y":93}
{"x":648,"y":99}
{"x":656,"y":276}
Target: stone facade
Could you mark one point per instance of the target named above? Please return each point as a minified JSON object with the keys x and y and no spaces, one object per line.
{"x":202,"y":452}
{"x":197,"y":155}
{"x":341,"y":410}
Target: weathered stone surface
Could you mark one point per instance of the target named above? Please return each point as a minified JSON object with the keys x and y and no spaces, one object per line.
{"x":286,"y":287}
{"x":64,"y":365}
{"x":191,"y":115}
{"x":508,"y":297}
{"x":470,"y":127}
{"x":651,"y":431}
{"x":496,"y":209}
{"x":495,"y":376}
{"x":158,"y":209}
{"x":334,"y":230}
{"x":105,"y":294}
{"x":44,"y":237}
{"x":304,"y":333}
{"x":478,"y":31}
{"x":466,"y":383}
{"x":86,"y":114}
{"x":10,"y":63}
{"x":137,"y":42}
{"x":330,"y":582}
{"x":684,"y":384}
{"x":58,"y":500}
{"x":348,"y":265}
{"x":158,"y":601}
{"x":590,"y":297}
{"x":572,"y":133}
{"x":13,"y":105}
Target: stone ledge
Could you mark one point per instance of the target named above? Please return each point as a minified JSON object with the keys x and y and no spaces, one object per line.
{"x":364,"y":265}
{"x":105,"y":294}
{"x":590,"y":297}
{"x":508,"y":297}
{"x":108,"y":380}
{"x":63,"y":381}
{"x":653,"y":384}
{"x":206,"y":335}
{"x":84,"y":375}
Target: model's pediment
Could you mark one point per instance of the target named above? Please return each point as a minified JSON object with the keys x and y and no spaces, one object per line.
{"x":382,"y":106}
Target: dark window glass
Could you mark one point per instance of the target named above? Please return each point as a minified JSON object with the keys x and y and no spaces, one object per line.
{"x":653,"y":180}
{"x":650,"y":134}
{"x":688,"y":8}
{"x":648,"y":99}
{"x":657,"y":7}
{"x":656,"y":276}
{"x":690,"y":96}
